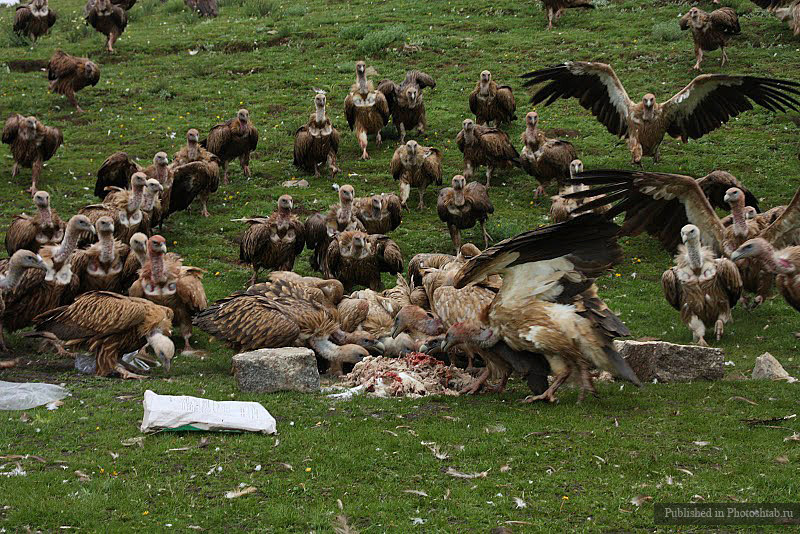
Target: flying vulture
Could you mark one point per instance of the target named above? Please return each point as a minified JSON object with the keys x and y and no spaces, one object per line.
{"x":710,"y":31}
{"x":33,"y":232}
{"x":32,"y":143}
{"x":34,"y":19}
{"x":546,"y":159}
{"x":195,"y":174}
{"x":108,"y":19}
{"x":416,"y":166}
{"x":482,"y":145}
{"x":492,"y":103}
{"x":316,"y":143}
{"x":405,"y":101}
{"x":233,"y":139}
{"x":461,"y":206}
{"x":12,"y":272}
{"x":356,"y":258}
{"x":68,"y":74}
{"x":366,"y":109}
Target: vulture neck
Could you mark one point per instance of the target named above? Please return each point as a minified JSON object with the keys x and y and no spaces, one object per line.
{"x":320,"y":114}
{"x":191,"y":151}
{"x":67,"y":246}
{"x":161,"y":170}
{"x":141,"y":255}
{"x":649,"y":114}
{"x":739,"y":220}
{"x":27,"y":133}
{"x":158,"y":274}
{"x":12,"y":276}
{"x":484,"y":88}
{"x":344,"y":212}
{"x":774,"y":263}
{"x":45,"y":216}
{"x":361,"y":81}
{"x":106,"y":247}
{"x":325,"y":348}
{"x":458,"y":197}
{"x":148,"y":200}
{"x":135,"y":200}
{"x":469,"y":136}
{"x":694,"y":255}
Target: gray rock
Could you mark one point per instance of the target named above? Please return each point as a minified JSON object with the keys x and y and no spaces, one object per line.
{"x":271,"y":370}
{"x":668,"y":362}
{"x":768,"y":368}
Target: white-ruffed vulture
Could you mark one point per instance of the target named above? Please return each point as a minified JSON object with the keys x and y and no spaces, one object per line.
{"x":405,"y":101}
{"x":356,"y":258}
{"x":710,"y":31}
{"x":555,"y":8}
{"x":69,"y":74}
{"x":316,"y":143}
{"x":11,"y":274}
{"x":482,"y":145}
{"x":380,"y":214}
{"x":233,"y":139}
{"x":322,"y":228}
{"x":366,"y":109}
{"x":461,"y":206}
{"x":544,"y":158}
{"x":708,"y":102}
{"x":32,"y":143}
{"x":195,"y":174}
{"x":117,"y":169}
{"x":108,"y":19}
{"x":100,"y":267}
{"x":492,"y":103}
{"x":124,"y":208}
{"x":417,"y":166}
{"x":562,"y":206}
{"x":31,"y":232}
{"x":34,"y":19}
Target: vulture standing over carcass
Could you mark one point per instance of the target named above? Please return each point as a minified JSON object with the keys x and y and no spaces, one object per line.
{"x":710,"y":31}
{"x":273,"y":242}
{"x":366,"y":109}
{"x":195,"y":174}
{"x":546,"y":159}
{"x":117,"y":169}
{"x":435,"y":260}
{"x":32,"y":143}
{"x":701,"y":286}
{"x":124,"y":208}
{"x":110,"y":325}
{"x":461,"y":206}
{"x":555,"y":8}
{"x":356,"y":258}
{"x":416,"y":166}
{"x":68,"y":74}
{"x":548,"y":303}
{"x":107,"y":18}
{"x":11,"y":274}
{"x":100,"y":267}
{"x":380,"y":214}
{"x":482,"y":145}
{"x":316,"y":143}
{"x":708,"y":102}
{"x":405,"y":101}
{"x":233,"y":139}
{"x":490,"y":102}
{"x":321,"y":229}
{"x":206,"y":8}
{"x":33,"y":232}
{"x":562,"y":206}
{"x":166,"y":281}
{"x":34,"y":19}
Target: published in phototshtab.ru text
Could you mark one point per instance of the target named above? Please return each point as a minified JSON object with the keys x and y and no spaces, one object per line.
{"x":727,"y":513}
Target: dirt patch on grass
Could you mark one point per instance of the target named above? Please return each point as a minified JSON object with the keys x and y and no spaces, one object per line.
{"x":278,"y":41}
{"x":239,"y":46}
{"x":275,"y":109}
{"x":563,"y":132}
{"x":75,"y":119}
{"x":27,"y":65}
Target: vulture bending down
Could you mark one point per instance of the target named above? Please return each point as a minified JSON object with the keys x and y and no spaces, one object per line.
{"x":233,"y":139}
{"x":34,"y":19}
{"x":701,"y":286}
{"x":100,"y":267}
{"x":355,"y":258}
{"x":33,"y":232}
{"x":68,"y":74}
{"x":562,"y":206}
{"x":110,"y":325}
{"x":491,"y":102}
{"x":273,"y":242}
{"x":366,"y":109}
{"x":708,"y":102}
{"x":117,"y":169}
{"x":546,"y":159}
{"x":461,"y":206}
{"x":11,"y":274}
{"x":124,"y":208}
{"x":405,"y":101}
{"x":710,"y":31}
{"x":321,"y":229}
{"x":416,"y":166}
{"x":107,"y":18}
{"x":555,"y":8}
{"x":380,"y":214}
{"x":784,"y":263}
{"x":32,"y":143}
{"x":425,"y":260}
{"x":482,"y":145}
{"x":195,"y":174}
{"x":316,"y":143}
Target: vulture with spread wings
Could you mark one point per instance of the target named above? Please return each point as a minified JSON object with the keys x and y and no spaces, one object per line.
{"x":68,"y":74}
{"x":405,"y":101}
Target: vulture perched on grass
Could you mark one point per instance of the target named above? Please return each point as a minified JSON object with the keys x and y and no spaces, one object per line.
{"x":562,"y":207}
{"x":32,"y":143}
{"x":708,"y":102}
{"x":68,"y":74}
{"x":124,"y":4}
{"x":273,"y":242}
{"x":110,"y":325}
{"x":546,"y":159}
{"x":548,"y":303}
{"x":233,"y":139}
{"x":366,"y":109}
{"x":12,"y":272}
{"x":405,"y":101}
{"x":195,"y":174}
{"x":710,"y":31}
{"x":117,"y":169}
{"x":461,"y":206}
{"x":316,"y":143}
{"x":124,"y":208}
{"x":100,"y":267}
{"x":555,"y":8}
{"x":492,"y":103}
{"x":34,"y":19}
{"x":205,"y":8}
{"x":482,"y":145}
{"x":380,"y":214}
{"x":31,"y":232}
{"x":701,"y":286}
{"x":356,"y":258}
{"x":108,"y":19}
{"x":416,"y":166}
{"x":321,"y":229}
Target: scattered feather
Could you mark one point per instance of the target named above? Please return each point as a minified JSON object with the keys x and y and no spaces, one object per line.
{"x":701,"y":443}
{"x":130,"y":442}
{"x":783,"y":459}
{"x":520,"y":503}
{"x":505,"y":468}
{"x":458,"y":474}
{"x":416,"y":492}
{"x":82,"y":477}
{"x":640,"y":500}
{"x":686,"y":471}
{"x":241,"y":492}
{"x":341,"y":526}
{"x":793,"y":437}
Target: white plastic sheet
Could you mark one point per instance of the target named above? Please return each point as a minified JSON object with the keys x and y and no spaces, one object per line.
{"x":24,"y":396}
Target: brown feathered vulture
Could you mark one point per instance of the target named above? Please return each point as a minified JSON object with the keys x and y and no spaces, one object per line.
{"x":32,"y":143}
{"x":482,"y":145}
{"x":136,"y":259}
{"x":790,"y":14}
{"x":784,"y":263}
{"x":124,"y":208}
{"x":34,"y":19}
{"x":546,"y":159}
{"x":433,"y":260}
{"x":233,"y":139}
{"x":118,"y":168}
{"x":461,"y":206}
{"x":380,"y":214}
{"x":110,"y":325}
{"x":100,"y":267}
{"x":416,"y":166}
{"x":11,"y":274}
{"x":492,"y":103}
{"x":331,"y":291}
{"x":68,"y":74}
{"x":356,"y":258}
{"x":710,"y":31}
{"x":316,"y":143}
{"x":124,"y":4}
{"x":195,"y":174}
{"x":373,"y":314}
{"x":322,"y":228}
{"x":108,"y":19}
{"x":555,"y":8}
{"x":366,"y":109}
{"x":273,"y":242}
{"x":405,"y":101}
{"x":562,"y":207}
{"x":32,"y":232}
{"x":206,"y":8}
{"x":151,"y":203}
{"x":708,"y":102}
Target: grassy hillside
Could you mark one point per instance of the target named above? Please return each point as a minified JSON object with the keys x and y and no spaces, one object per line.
{"x":576,"y":467}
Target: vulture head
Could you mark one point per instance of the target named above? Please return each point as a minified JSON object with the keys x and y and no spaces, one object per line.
{"x":138,"y":245}
{"x":319,"y":101}
{"x":469,"y":332}
{"x":458,"y":182}
{"x":153,"y":186}
{"x":759,"y":248}
{"x":349,"y":353}
{"x":468,"y":251}
{"x":285,"y":204}
{"x":39,"y":8}
{"x":750,"y":212}
{"x":163,"y":347}
{"x":575,"y":167}
{"x":690,"y":234}
{"x":161,"y":159}
{"x":105,"y":226}
{"x":412,"y":148}
{"x":532,"y":120}
{"x":138,"y":181}
{"x":696,"y":17}
{"x":346,"y":194}
{"x":79,"y":224}
{"x":332,"y":289}
{"x":486,"y":78}
{"x":42,"y":200}
{"x":649,"y":103}
{"x":156,"y":246}
{"x":103,"y":7}
{"x":27,"y":129}
{"x":361,"y":69}
{"x":192,"y":137}
{"x":412,"y":94}
{"x":416,"y":319}
{"x":244,"y":117}
{"x":469,"y":129}
{"x":91,"y":72}
{"x":377,"y":205}
{"x":362,"y":339}
{"x":734,"y":197}
{"x":21,"y":260}
{"x":358,"y":248}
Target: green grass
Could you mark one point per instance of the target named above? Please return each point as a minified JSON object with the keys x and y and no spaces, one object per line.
{"x":152,"y":90}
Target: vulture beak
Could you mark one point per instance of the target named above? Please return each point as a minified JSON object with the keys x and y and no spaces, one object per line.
{"x":397,"y":329}
{"x":378,"y":347}
{"x":40,"y":263}
{"x":446,"y":344}
{"x":737,"y":254}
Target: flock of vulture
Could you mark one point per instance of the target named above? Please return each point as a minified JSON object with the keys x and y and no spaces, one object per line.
{"x":103,"y":279}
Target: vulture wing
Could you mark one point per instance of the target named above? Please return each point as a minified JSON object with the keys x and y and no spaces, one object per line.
{"x":382,"y":107}
{"x":188,"y":181}
{"x":389,"y":90}
{"x":50,"y":139}
{"x":672,"y":288}
{"x":726,"y":21}
{"x":302,"y":145}
{"x":784,"y":231}
{"x":11,"y":128}
{"x":252,"y":136}
{"x":496,"y":143}
{"x":730,"y":279}
{"x":506,"y":102}
{"x":352,"y":312}
{"x":479,"y":198}
{"x":299,"y":235}
{"x":391,"y":258}
{"x":22,"y":19}
{"x":115,"y":171}
{"x":396,"y":165}
{"x":716,"y":183}
{"x":350,"y":111}
{"x":432,"y":165}
{"x":20,"y":234}
{"x":394,"y":208}
{"x":420,"y":79}
{"x":190,"y":289}
{"x":473,"y":100}
{"x":61,"y":65}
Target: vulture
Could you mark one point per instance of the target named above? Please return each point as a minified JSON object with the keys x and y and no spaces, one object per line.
{"x":164,"y":280}
{"x":195,"y":174}
{"x":366,"y":109}
{"x":548,"y":303}
{"x":562,"y":207}
{"x":482,"y":145}
{"x":490,"y":102}
{"x":316,"y":143}
{"x":68,"y":74}
{"x":32,"y":143}
{"x":233,"y":139}
{"x":331,"y":292}
{"x":33,"y":232}
{"x":12,"y":272}
{"x":206,"y":8}
{"x":137,"y":257}
{"x":709,"y":101}
{"x":117,"y":169}
{"x":356,"y":258}
{"x":151,"y":202}
{"x":701,"y":286}
{"x":546,"y":159}
{"x":417,"y":166}
{"x":110,"y":325}
{"x":790,"y":14}
{"x":100,"y":267}
{"x":124,"y":4}
{"x":321,"y":229}
{"x":555,"y":8}
{"x":34,"y":19}
{"x":433,"y":260}
{"x":107,"y":18}
{"x":124,"y":208}
{"x":461,"y":206}
{"x":784,"y":263}
{"x":710,"y":31}
{"x":405,"y":101}
{"x":380,"y":214}
{"x":273,"y":242}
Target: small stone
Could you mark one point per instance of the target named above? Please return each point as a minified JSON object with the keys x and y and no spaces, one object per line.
{"x":296,"y":183}
{"x":669,"y":362}
{"x":271,"y":370}
{"x":768,"y":368}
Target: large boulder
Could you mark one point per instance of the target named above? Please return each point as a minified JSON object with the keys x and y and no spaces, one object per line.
{"x":271,"y":370}
{"x":668,"y":362}
{"x":768,"y":368}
